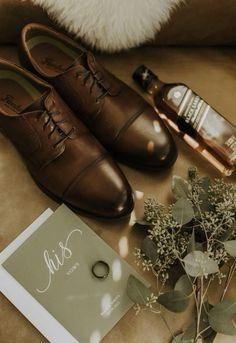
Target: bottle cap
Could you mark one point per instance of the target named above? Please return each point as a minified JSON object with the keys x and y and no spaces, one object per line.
{"x":144,"y":76}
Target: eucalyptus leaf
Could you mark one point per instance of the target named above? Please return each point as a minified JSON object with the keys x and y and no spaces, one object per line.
{"x":210,"y":337}
{"x":182,"y":211}
{"x":208,"y":333}
{"x":230,"y":247}
{"x":198,"y":263}
{"x":143,"y":223}
{"x":174,"y":301}
{"x":149,"y":248}
{"x":184,"y":285}
{"x":193,"y":245}
{"x":198,"y":247}
{"x":137,"y":291}
{"x":180,"y":187}
{"x":221,"y":317}
{"x":190,"y":332}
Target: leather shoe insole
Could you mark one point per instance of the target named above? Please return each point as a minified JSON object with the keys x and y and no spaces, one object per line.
{"x":16,"y":92}
{"x":52,"y":56}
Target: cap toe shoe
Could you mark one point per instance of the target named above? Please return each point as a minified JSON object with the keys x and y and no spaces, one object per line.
{"x":62,"y":155}
{"x":118,"y":116}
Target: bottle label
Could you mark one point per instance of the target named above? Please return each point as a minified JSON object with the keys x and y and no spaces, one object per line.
{"x":217,"y":132}
{"x":195,"y":112}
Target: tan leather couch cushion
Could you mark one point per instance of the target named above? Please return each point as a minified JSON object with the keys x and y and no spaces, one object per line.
{"x":14,"y":14}
{"x":201,"y":22}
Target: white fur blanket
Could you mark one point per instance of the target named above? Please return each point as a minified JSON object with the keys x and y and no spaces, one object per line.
{"x":111,"y":25}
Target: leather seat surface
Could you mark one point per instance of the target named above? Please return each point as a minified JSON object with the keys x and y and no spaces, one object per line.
{"x":211,"y":73}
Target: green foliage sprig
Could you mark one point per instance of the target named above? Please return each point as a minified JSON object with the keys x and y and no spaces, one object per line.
{"x":198,"y":234}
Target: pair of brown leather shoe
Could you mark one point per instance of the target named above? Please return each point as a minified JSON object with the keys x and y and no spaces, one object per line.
{"x":58,"y":142}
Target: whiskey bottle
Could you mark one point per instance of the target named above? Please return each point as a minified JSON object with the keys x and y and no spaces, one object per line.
{"x":199,"y":125}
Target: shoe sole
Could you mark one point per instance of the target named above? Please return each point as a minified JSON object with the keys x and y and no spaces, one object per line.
{"x":146,"y":168}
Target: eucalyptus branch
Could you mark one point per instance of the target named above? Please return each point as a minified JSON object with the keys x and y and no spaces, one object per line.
{"x":199,"y":309}
{"x":204,"y":330}
{"x":193,"y":283}
{"x":222,"y":223}
{"x":192,"y":238}
{"x":228,"y":279}
{"x":207,"y":287}
{"x":201,"y":222}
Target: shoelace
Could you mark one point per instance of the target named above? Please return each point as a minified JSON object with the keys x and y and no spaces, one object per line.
{"x":51,"y":113}
{"x":88,"y":75}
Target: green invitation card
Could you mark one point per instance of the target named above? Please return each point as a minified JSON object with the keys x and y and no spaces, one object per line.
{"x":55,"y":266}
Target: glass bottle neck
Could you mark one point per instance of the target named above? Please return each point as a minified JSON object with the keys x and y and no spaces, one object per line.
{"x":155,"y":86}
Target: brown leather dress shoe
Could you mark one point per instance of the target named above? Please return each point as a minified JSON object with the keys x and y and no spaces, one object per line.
{"x":120,"y":118}
{"x":63,"y":157}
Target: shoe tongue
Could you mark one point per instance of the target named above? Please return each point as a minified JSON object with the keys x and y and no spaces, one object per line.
{"x":80,"y":61}
{"x":86,"y":61}
{"x":37,"y":104}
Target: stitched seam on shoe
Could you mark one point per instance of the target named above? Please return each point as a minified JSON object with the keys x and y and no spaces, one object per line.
{"x":129,"y":122}
{"x":55,"y":157}
{"x":82,"y":134}
{"x":77,"y":177}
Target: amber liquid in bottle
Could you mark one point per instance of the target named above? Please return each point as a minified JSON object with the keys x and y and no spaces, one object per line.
{"x":201,"y":127}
